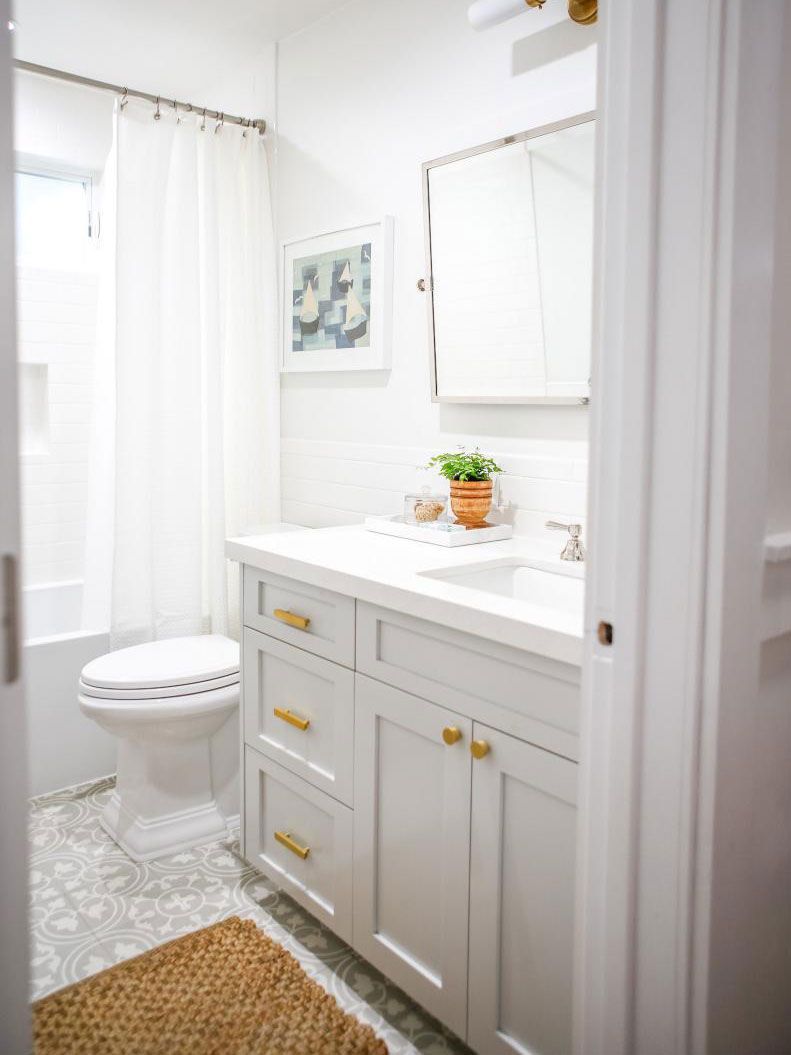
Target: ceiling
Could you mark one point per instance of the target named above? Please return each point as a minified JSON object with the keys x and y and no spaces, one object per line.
{"x":173,"y":47}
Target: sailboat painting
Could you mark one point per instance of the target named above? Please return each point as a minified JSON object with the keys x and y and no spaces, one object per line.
{"x":309,"y":314}
{"x":331,"y":300}
{"x":337,"y":300}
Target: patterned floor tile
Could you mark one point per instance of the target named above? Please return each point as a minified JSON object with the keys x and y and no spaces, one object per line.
{"x":91,"y":907}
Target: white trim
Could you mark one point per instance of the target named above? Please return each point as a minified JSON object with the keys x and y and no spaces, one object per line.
{"x":620,"y":430}
{"x":677,"y":467}
{"x":14,"y":934}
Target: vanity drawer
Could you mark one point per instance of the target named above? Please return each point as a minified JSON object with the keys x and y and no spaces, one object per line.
{"x":301,"y":838}
{"x":298,"y":709}
{"x":309,"y":617}
{"x":529,"y":696}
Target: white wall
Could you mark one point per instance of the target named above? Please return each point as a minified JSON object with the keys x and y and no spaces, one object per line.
{"x":58,"y":126}
{"x":62,"y":122}
{"x":364,"y":97}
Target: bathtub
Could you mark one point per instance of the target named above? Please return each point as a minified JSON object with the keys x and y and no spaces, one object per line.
{"x":64,"y":747}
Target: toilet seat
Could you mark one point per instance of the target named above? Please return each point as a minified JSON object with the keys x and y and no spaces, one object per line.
{"x":98,"y":692}
{"x":177,"y":666}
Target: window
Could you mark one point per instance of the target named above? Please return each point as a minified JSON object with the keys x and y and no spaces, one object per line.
{"x":53,"y":221}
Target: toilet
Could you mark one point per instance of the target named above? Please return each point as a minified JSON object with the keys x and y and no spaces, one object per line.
{"x":163,"y":700}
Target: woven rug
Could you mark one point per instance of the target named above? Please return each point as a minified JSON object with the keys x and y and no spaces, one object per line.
{"x":225,"y":990}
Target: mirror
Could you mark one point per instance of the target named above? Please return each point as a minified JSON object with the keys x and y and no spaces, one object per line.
{"x":509,"y":246}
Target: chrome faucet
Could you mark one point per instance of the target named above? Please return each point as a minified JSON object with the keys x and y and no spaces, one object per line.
{"x":573,"y":550}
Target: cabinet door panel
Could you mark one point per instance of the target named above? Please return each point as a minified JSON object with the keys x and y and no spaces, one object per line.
{"x":522,"y":899}
{"x":272,"y":601}
{"x":282,"y":682}
{"x":412,"y":845}
{"x":315,"y":866}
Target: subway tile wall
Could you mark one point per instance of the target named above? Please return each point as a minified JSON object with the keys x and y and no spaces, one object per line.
{"x":56,"y":330}
{"x":327,"y":484}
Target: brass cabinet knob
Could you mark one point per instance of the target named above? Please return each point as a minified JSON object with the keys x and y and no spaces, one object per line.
{"x":451,"y":735}
{"x":479,"y":748}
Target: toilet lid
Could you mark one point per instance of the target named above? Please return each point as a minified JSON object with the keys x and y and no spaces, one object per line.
{"x":165,"y":664}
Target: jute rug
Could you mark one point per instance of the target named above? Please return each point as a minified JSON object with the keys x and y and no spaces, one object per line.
{"x":225,"y":990}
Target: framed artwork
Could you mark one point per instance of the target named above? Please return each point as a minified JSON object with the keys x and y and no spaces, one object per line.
{"x":337,"y":302}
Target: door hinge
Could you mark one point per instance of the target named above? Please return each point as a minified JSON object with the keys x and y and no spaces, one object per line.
{"x":10,"y":619}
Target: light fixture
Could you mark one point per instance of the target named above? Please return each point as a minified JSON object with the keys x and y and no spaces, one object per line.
{"x":12,"y":25}
{"x":485,"y":13}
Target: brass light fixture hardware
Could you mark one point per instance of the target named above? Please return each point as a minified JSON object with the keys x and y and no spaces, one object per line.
{"x":584,"y":12}
{"x":485,"y":13}
{"x":479,"y":748}
{"x":604,"y":633}
{"x":451,"y":735}
{"x":301,"y":622}
{"x":292,"y":719}
{"x":284,"y":838}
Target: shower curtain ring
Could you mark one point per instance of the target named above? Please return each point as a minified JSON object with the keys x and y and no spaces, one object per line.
{"x":125,"y":98}
{"x":203,"y":122}
{"x":157,"y":114}
{"x":220,"y":123}
{"x":245,"y":126}
{"x":176,"y":112}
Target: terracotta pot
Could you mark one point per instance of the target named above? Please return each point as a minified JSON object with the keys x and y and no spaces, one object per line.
{"x":471,"y":501}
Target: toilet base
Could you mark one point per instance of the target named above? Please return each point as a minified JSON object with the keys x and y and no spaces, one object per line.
{"x":163,"y":800}
{"x":144,"y":839}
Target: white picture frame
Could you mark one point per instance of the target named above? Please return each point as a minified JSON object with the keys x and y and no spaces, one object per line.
{"x":314,"y":318}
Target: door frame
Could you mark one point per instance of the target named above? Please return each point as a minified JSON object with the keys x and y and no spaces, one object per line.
{"x":14,"y":937}
{"x":682,"y":348}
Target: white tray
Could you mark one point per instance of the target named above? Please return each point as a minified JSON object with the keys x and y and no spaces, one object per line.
{"x":395,"y":525}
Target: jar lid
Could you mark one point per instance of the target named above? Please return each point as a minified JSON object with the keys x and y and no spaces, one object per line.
{"x":425,"y":495}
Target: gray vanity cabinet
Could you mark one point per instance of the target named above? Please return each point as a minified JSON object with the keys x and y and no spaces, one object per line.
{"x":415,"y":787}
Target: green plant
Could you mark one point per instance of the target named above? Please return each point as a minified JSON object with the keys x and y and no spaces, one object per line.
{"x":465,"y":465}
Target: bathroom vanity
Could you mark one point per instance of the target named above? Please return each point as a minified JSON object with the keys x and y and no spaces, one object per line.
{"x":409,"y":746}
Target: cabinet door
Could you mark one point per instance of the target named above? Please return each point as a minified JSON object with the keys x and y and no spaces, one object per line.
{"x":411,"y":846}
{"x":521,"y":898}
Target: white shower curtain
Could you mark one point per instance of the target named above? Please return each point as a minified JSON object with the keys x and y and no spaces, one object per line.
{"x":187,"y":375}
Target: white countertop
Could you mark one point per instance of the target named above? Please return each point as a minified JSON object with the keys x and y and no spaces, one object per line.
{"x":384,"y":571}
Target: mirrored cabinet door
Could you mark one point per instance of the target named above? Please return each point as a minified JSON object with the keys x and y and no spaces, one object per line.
{"x":509,"y":242}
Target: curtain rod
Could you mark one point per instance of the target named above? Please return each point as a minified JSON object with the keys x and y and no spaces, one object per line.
{"x":46,"y":71}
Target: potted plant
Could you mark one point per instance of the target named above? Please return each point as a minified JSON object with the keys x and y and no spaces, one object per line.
{"x":470,"y":475}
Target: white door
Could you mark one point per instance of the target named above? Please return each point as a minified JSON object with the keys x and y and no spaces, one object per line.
{"x":521,"y":898}
{"x":14,"y":955}
{"x":411,"y":845}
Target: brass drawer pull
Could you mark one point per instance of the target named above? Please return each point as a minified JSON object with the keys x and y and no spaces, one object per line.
{"x":479,"y":748}
{"x":284,"y":838}
{"x":301,"y":622}
{"x":292,"y":719}
{"x":451,"y":735}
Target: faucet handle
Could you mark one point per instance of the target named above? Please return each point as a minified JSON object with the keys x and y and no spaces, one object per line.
{"x":573,"y":550}
{"x":575,"y":530}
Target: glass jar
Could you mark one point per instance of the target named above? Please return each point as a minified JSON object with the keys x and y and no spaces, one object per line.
{"x":423,"y":507}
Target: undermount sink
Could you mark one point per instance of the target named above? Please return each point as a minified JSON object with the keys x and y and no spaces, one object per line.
{"x":546,"y":585}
